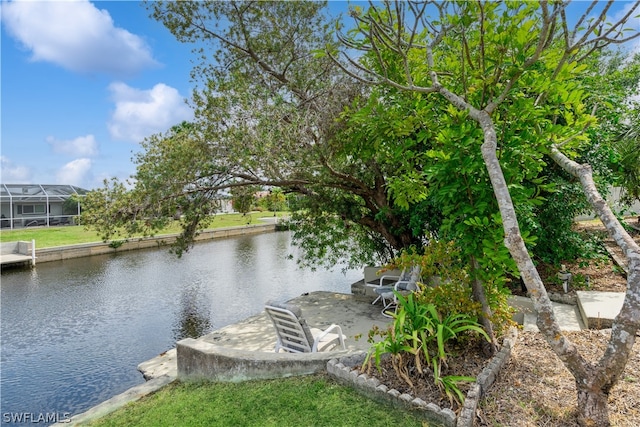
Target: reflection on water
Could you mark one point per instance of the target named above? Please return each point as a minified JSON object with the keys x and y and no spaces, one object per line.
{"x":73,"y":332}
{"x":193,"y":319}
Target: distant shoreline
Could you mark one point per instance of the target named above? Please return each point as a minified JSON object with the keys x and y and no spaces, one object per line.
{"x":60,"y":253}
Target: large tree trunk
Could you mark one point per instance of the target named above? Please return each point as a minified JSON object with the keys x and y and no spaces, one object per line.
{"x":594,"y":380}
{"x":592,"y":406}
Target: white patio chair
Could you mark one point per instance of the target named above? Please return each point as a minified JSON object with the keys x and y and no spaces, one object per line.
{"x":406,"y":283}
{"x":295,"y":336}
{"x":406,"y":279}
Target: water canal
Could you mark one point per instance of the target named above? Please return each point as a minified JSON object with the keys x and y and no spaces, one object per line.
{"x":73,"y":332}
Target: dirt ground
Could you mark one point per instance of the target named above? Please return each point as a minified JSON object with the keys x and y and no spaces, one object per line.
{"x":534,"y":388}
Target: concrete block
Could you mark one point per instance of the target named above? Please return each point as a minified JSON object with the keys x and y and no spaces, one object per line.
{"x":432,"y":407}
{"x":343,"y":374}
{"x":393,"y":392}
{"x":373,"y":382}
{"x":200,"y":360}
{"x":449,"y":416}
{"x":486,"y":378}
{"x":529,"y":323}
{"x":472,"y":394}
{"x":362,"y":380}
{"x":382,"y":388}
{"x":568,"y":317}
{"x":599,"y":309}
{"x":419,"y":403}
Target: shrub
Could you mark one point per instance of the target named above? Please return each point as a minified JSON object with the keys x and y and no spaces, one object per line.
{"x":420,"y":337}
{"x":447,"y":284}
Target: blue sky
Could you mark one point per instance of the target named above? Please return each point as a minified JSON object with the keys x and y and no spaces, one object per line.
{"x":83,"y":83}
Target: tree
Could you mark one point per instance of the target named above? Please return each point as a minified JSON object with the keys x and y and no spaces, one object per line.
{"x":244,"y":199}
{"x":275,"y":200}
{"x":269,"y":113}
{"x":628,"y":150}
{"x":527,"y":59}
{"x":557,"y":242}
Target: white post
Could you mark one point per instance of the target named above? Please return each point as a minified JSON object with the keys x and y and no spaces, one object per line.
{"x":33,"y":253}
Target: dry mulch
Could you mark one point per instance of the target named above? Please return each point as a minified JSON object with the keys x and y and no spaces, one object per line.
{"x":603,"y":273}
{"x":534,"y":388}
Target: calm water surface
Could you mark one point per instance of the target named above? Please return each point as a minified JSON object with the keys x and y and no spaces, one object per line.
{"x":73,"y":332}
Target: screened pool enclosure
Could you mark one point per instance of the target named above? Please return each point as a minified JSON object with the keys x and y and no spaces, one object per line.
{"x":29,"y":205}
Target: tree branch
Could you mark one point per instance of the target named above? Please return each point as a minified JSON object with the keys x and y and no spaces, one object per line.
{"x":627,"y":323}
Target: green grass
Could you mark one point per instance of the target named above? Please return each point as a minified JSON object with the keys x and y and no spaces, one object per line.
{"x":298,"y":401}
{"x":47,"y":237}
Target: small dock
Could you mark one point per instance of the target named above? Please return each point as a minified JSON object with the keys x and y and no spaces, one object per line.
{"x":12,"y":253}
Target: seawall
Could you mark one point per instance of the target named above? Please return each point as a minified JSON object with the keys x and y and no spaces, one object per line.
{"x":60,"y":253}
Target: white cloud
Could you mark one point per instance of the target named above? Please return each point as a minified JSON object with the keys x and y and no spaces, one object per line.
{"x":77,"y":36}
{"x":140,"y":113}
{"x":634,"y":19}
{"x":74,"y":173}
{"x":83,"y":146}
{"x":632,"y":24}
{"x":13,"y":174}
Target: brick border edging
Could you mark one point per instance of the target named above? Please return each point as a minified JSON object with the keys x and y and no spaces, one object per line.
{"x":617,"y":260}
{"x":486,"y":378}
{"x":342,"y":370}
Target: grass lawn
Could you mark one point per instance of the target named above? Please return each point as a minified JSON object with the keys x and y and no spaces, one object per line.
{"x":47,"y":237}
{"x":298,"y":401}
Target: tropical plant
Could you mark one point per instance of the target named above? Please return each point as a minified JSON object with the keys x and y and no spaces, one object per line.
{"x":274,"y":201}
{"x":420,"y":336}
{"x":394,"y":344}
{"x":448,"y":285}
{"x":449,"y":384}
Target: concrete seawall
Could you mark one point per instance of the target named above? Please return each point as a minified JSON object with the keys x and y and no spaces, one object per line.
{"x":60,"y":253}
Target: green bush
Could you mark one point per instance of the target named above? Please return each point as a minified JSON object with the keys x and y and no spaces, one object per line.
{"x":447,"y":284}
{"x":420,"y":337}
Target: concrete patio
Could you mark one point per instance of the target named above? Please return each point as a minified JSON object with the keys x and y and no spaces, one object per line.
{"x":356,"y":316}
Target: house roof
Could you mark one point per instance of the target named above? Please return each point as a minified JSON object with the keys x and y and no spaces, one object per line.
{"x":39,"y":192}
